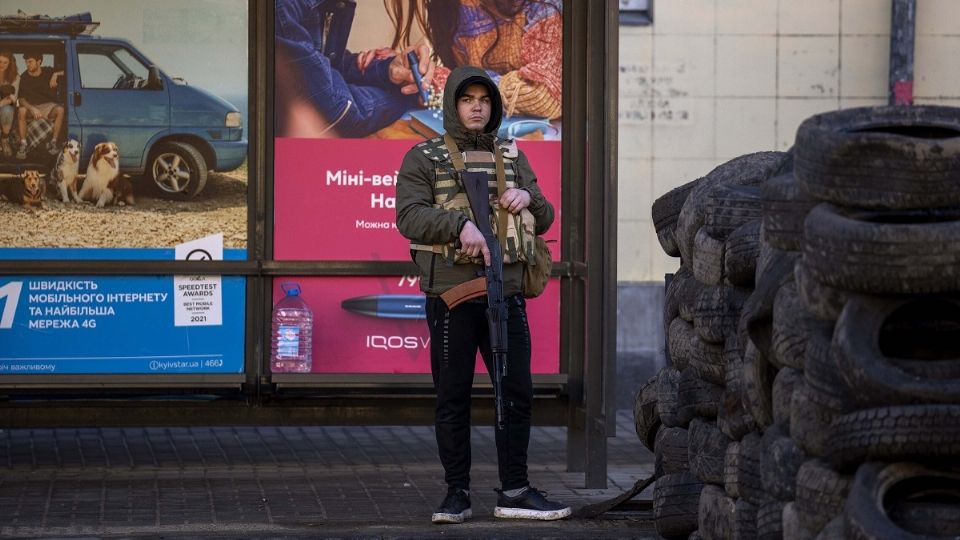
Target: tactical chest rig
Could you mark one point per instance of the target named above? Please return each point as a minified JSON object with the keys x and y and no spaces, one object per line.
{"x":516,"y":232}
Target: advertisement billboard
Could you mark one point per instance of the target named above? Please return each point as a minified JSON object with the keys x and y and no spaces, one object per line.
{"x":347,"y":109}
{"x":135,"y":122}
{"x":133,"y":147}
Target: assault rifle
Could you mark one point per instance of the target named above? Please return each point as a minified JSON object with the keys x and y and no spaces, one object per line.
{"x":475,"y":184}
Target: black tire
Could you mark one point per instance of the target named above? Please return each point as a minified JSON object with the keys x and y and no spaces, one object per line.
{"x":718,"y":311}
{"x":696,"y":397}
{"x":821,"y":373}
{"x":821,"y":301}
{"x":906,"y":432}
{"x":676,"y":498}
{"x":770,"y":520}
{"x":670,"y":455}
{"x":792,"y":528}
{"x":757,"y":313}
{"x":746,"y":170}
{"x":177,"y":169}
{"x":785,"y":206}
{"x":832,"y":530}
{"x":903,"y":501}
{"x":731,"y":468}
{"x":680,"y":343}
{"x":774,"y":265}
{"x":707,"y":258}
{"x":707,"y":447}
{"x":707,"y":360}
{"x":782,"y":394}
{"x":665,"y":211}
{"x":732,"y":419}
{"x":882,"y":157}
{"x":683,"y":288}
{"x":757,"y":390}
{"x":729,"y":207}
{"x":716,"y":514}
{"x":903,"y":252}
{"x":748,"y":469}
{"x":925,"y":327}
{"x":668,"y":406}
{"x":744,"y":520}
{"x":791,"y":326}
{"x":741,"y":251}
{"x":781,"y":459}
{"x":645,"y":417}
{"x":688,"y":292}
{"x":821,"y":493}
{"x":810,"y":419}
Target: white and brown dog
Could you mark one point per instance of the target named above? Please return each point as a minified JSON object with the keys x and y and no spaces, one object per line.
{"x":65,"y":173}
{"x":102,"y":176}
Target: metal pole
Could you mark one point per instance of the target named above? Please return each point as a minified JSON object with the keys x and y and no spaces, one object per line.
{"x":902,"y":30}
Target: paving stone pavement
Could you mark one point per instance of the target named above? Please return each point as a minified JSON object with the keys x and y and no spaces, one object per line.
{"x":277,"y":482}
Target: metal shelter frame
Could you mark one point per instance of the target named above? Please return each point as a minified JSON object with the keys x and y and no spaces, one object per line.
{"x":581,"y":397}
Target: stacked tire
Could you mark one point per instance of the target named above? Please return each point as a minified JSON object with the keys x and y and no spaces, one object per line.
{"x":713,"y":225}
{"x":819,"y":397}
{"x":879,"y":410}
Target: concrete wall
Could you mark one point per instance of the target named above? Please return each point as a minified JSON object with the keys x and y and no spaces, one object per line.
{"x":710,"y":80}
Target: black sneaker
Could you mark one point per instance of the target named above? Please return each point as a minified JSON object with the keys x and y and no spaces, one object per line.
{"x":531,"y":504}
{"x":454,"y":509}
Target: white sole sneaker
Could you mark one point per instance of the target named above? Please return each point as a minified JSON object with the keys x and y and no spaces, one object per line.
{"x":523,"y":513}
{"x":440,"y":517}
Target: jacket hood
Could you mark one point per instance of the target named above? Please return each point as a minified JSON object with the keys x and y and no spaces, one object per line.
{"x":459,"y":79}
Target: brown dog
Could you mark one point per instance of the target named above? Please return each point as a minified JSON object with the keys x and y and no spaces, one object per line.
{"x":122,"y":190}
{"x":27,"y":189}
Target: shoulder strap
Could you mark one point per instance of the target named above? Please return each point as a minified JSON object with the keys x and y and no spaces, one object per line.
{"x":501,"y":187}
{"x":454,"y":152}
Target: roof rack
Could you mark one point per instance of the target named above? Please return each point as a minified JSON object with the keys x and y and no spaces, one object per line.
{"x":74,"y":25}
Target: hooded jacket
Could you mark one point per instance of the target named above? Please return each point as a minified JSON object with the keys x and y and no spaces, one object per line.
{"x":418,"y":218}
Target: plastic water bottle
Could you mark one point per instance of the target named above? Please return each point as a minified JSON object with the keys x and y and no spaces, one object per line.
{"x":291,"y":343}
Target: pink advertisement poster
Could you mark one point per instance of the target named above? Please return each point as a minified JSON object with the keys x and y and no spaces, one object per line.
{"x":347,"y":109}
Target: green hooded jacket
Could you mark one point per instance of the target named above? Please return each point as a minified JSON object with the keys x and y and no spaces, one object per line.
{"x":422,"y":223}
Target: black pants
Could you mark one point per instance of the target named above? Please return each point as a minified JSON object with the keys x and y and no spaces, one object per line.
{"x":455,"y":337}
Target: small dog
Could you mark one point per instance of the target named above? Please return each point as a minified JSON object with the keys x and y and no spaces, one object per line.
{"x":102,"y":173}
{"x":122,"y":190}
{"x":64,"y":173}
{"x":26,"y":190}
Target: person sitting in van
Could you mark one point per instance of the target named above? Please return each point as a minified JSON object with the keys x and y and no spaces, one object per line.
{"x":38,"y":100}
{"x":9,"y":82}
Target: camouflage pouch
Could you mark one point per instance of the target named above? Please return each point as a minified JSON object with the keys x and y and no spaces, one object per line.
{"x":536,"y":273}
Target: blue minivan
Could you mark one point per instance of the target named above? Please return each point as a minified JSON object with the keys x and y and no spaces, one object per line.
{"x":167,"y":131}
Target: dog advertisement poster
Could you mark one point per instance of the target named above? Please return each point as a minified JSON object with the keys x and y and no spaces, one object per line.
{"x":126,"y":136}
{"x":347,"y":109}
{"x":140,"y":136}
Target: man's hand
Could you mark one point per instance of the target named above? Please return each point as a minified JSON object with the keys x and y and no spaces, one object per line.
{"x":54,"y":77}
{"x":35,"y":112}
{"x":473,"y":243}
{"x":514,"y":200}
{"x":402,"y":76}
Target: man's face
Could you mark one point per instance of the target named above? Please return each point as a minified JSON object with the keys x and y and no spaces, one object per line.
{"x":32,"y":64}
{"x":473,"y":106}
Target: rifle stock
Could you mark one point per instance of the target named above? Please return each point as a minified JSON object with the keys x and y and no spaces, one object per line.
{"x":475,"y":184}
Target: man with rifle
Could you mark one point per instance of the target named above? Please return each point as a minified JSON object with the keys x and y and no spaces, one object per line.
{"x":470,"y":258}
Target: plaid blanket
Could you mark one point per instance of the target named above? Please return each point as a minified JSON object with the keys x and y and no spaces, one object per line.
{"x":38,"y":133}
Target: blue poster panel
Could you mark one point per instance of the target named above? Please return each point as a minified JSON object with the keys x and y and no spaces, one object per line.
{"x":120,"y":325}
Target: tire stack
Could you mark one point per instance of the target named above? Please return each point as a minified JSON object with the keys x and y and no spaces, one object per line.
{"x":878,"y":412}
{"x":821,"y":399}
{"x":713,"y":225}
